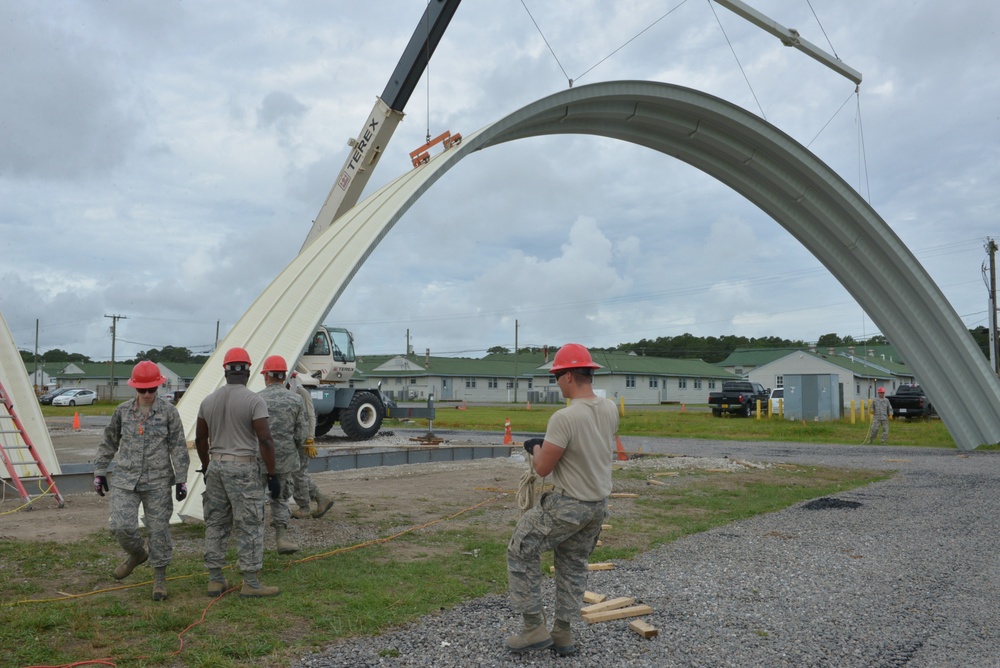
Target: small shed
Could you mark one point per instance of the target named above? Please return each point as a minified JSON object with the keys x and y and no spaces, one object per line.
{"x":812,"y":396}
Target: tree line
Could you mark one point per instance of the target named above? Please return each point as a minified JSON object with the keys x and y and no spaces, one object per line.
{"x":712,"y":349}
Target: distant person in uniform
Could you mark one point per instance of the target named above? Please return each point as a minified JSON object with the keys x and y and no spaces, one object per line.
{"x":577,"y":451}
{"x":881,"y":410}
{"x":237,"y":452}
{"x":305,"y":489}
{"x":287,"y":421}
{"x":145,"y":437}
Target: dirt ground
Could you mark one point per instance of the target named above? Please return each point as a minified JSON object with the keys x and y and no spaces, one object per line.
{"x":385,"y":496}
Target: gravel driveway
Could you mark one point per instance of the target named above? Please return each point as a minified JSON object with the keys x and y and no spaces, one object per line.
{"x":903,"y":574}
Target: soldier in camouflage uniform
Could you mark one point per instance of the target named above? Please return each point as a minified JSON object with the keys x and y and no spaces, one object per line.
{"x":881,"y":409}
{"x":145,"y":437}
{"x":305,"y":488}
{"x":236,"y":448}
{"x":577,"y":451}
{"x":287,"y":419}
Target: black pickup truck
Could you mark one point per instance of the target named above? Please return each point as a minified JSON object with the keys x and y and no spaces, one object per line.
{"x":739,"y":397}
{"x":910,"y":402}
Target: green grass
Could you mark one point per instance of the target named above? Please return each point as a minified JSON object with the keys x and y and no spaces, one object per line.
{"x":343,"y":593}
{"x":664,"y":422}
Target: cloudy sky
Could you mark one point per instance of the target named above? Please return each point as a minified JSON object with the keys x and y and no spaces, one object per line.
{"x":164,"y":161}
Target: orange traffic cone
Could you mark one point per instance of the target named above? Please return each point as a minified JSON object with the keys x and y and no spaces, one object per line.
{"x":683,"y":408}
{"x":528,"y":407}
{"x":507,"y":438}
{"x":76,"y":420}
{"x":622,"y":456}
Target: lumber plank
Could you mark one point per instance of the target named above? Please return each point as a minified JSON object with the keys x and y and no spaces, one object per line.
{"x":624,"y":495}
{"x":620,"y":613}
{"x":611,"y":604}
{"x":606,"y":566}
{"x":644,"y":629}
{"x":593,"y":597}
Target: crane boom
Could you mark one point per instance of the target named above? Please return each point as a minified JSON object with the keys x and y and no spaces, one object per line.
{"x":370,"y":143}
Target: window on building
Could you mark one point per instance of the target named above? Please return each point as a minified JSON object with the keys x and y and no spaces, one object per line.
{"x":779,"y":381}
{"x":413,"y":381}
{"x":492,"y":384}
{"x":711,"y":383}
{"x":529,"y":383}
{"x":470,"y":383}
{"x":697,"y":383}
{"x":682,"y":383}
{"x":510,"y":385}
{"x":654,"y":382}
{"x":629,"y":381}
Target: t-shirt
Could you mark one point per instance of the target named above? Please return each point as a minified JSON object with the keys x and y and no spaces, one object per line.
{"x":586,"y":430}
{"x":230,"y":412}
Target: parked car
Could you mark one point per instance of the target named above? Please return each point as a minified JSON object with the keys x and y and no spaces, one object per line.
{"x":910,"y":402}
{"x":777,"y":394}
{"x":76,"y":397}
{"x":46,"y":399}
{"x":738,"y":397}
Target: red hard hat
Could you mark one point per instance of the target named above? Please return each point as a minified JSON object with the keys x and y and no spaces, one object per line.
{"x":881,"y":390}
{"x":236,"y":356}
{"x":146,"y":374}
{"x":573,"y":356}
{"x":275,"y":363}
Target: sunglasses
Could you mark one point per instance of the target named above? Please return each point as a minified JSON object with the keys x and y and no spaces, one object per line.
{"x":145,"y":390}
{"x":559,"y":374}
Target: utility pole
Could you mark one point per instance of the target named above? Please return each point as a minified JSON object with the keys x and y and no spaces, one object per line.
{"x":991,"y":248}
{"x":515,"y":361}
{"x":114,"y":337}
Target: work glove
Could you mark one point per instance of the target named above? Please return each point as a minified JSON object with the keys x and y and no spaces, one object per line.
{"x":100,"y":484}
{"x":310,"y":448}
{"x":182,"y":491}
{"x":274,"y":486}
{"x":530,"y":444}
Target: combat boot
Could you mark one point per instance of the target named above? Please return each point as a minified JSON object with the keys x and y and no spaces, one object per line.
{"x":301,"y":513}
{"x":252,"y":587}
{"x":126,"y":567}
{"x":323,"y":504}
{"x":217,"y":584}
{"x":562,"y":638}
{"x":160,"y":583}
{"x":534,"y":635}
{"x":285,"y":546}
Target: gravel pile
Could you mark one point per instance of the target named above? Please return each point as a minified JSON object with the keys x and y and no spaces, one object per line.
{"x":900,"y":573}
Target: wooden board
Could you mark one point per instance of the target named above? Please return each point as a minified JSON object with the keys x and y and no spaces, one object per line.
{"x":644,"y":629}
{"x":611,"y":604}
{"x":607,"y":566}
{"x":621,"y":613}
{"x":591,"y":597}
{"x":624,"y":495}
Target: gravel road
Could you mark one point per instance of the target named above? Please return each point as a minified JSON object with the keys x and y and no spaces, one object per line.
{"x":902,"y":573}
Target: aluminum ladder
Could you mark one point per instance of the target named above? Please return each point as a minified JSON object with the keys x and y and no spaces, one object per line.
{"x":35,"y":468}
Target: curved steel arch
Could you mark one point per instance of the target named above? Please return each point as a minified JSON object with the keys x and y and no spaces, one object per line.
{"x":739,"y":149}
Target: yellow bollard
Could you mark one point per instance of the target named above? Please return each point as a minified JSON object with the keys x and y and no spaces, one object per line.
{"x":758,"y":409}
{"x":853,"y":417}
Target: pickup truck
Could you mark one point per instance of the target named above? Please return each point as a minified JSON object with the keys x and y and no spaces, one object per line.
{"x":739,"y":397}
{"x":910,"y":402}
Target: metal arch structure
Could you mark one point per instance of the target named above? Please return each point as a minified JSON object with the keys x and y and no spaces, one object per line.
{"x":751,"y":156}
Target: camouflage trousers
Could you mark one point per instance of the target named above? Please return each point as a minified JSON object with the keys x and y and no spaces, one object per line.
{"x":281,"y":514}
{"x":570,"y":529}
{"x":305,"y":488}
{"x":234,"y":500}
{"x":879,"y":424}
{"x":157,"y":506}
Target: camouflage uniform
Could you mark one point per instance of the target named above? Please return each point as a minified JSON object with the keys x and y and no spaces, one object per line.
{"x":570,"y":529}
{"x":150,"y":457}
{"x":234,"y":490}
{"x":287,"y":420}
{"x":305,"y":488}
{"x":880,"y":419}
{"x":566,"y":522}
